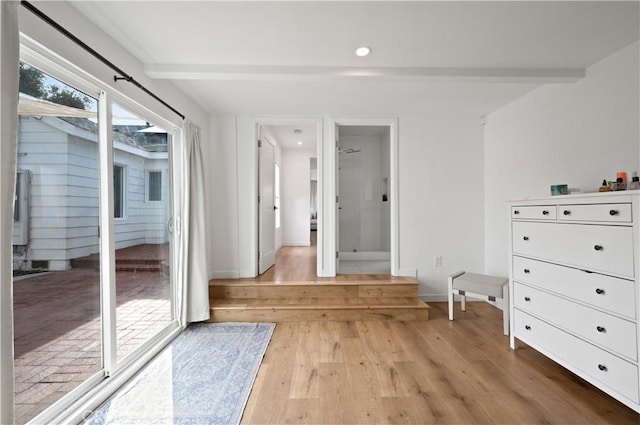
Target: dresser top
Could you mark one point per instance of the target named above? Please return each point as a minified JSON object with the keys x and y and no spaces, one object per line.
{"x":605,"y":196}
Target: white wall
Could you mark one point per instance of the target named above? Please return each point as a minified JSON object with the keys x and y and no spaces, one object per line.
{"x":440,"y":195}
{"x":222,"y":184}
{"x":295,"y":196}
{"x":578,"y":134}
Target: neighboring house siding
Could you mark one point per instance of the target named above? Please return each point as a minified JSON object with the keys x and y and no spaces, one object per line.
{"x":144,"y":222}
{"x":64,"y":202}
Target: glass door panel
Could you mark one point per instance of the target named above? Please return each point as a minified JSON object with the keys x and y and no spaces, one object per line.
{"x":141,"y":182}
{"x":56,"y":256}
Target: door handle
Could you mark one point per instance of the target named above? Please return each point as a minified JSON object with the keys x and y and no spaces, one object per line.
{"x":275,"y":208}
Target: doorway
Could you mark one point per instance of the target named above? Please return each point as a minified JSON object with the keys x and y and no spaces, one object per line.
{"x":292,"y":232}
{"x":364,"y":213}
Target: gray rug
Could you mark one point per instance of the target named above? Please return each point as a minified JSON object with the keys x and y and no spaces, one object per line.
{"x":204,"y":376}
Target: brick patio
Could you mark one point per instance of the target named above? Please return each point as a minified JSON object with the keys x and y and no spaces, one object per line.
{"x":57,"y":324}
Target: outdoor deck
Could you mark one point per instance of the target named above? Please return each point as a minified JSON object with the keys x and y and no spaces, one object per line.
{"x":57,"y":322}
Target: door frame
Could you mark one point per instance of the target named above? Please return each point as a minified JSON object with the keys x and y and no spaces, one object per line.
{"x":330,"y":182}
{"x":248,"y":207}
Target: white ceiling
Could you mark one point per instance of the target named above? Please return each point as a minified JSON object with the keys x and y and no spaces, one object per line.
{"x":287,"y":138}
{"x":297,"y":57}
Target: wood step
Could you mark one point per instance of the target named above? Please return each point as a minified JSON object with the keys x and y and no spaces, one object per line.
{"x":318,"y":309}
{"x":305,"y":290}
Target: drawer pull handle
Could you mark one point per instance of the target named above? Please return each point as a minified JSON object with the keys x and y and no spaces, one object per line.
{"x":527,"y":299}
{"x":613,"y":212}
{"x":602,"y":367}
{"x":566,"y":212}
{"x":545,"y":212}
{"x":516,"y":212}
{"x":525,"y":238}
{"x":527,"y":271}
{"x":598,"y":247}
{"x":527,"y":327}
{"x":599,"y":291}
{"x":600,"y":329}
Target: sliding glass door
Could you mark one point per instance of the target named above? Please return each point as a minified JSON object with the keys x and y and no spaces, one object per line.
{"x":92,"y":264}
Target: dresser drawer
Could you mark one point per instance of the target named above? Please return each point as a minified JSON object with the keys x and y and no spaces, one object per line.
{"x":603,"y":367}
{"x":610,"y":332}
{"x":538,"y":212}
{"x":620,"y":213}
{"x":605,"y":292}
{"x":606,"y":249}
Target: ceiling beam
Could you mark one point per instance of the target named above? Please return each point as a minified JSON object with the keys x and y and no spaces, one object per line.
{"x":310,"y":73}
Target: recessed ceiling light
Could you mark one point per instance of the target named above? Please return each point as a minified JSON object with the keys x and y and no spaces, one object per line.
{"x":299,"y":143}
{"x":363,"y":51}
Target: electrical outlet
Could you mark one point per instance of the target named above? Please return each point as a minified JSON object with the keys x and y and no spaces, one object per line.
{"x":437,"y":261}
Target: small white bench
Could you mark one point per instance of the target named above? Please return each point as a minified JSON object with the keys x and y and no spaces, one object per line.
{"x":475,"y":285}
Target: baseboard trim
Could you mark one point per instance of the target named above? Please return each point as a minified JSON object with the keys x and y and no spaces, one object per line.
{"x":306,"y":243}
{"x":224,"y":275}
{"x":407,"y":273}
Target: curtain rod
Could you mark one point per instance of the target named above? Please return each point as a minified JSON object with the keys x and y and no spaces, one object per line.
{"x":122,"y":75}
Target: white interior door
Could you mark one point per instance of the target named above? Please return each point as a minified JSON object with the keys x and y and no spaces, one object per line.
{"x":266,"y":205}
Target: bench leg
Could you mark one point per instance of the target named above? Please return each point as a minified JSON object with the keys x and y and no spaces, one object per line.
{"x":505,"y":308}
{"x":450,"y":298}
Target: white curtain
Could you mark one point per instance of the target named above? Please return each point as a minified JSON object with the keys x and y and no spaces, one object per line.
{"x":194,"y":233}
{"x":9,"y":66}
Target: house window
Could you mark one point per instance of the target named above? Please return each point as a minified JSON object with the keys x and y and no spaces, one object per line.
{"x":154,"y":186}
{"x":16,"y":204}
{"x":118,"y":191}
{"x":276,"y":195}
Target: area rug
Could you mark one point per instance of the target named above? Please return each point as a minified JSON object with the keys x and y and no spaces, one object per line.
{"x":204,"y":376}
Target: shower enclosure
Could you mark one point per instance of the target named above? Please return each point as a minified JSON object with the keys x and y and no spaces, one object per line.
{"x":364,"y":215}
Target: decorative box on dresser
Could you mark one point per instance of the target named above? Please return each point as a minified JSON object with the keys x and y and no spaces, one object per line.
{"x":574,"y":285}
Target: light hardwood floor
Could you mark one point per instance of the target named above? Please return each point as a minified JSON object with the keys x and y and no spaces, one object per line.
{"x":421,"y":372}
{"x":435,"y":371}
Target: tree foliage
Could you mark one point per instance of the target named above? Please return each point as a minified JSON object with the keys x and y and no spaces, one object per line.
{"x":32,"y":82}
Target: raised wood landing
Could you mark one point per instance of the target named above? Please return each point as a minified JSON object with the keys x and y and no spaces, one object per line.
{"x":345,"y":298}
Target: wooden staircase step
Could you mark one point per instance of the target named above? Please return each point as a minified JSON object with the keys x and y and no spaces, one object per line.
{"x":343,"y":298}
{"x":317,"y":309}
{"x":298,"y":290}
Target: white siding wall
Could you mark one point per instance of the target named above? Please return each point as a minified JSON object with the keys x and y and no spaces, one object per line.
{"x":142,"y":219}
{"x":63,"y":214}
{"x":65,"y":189}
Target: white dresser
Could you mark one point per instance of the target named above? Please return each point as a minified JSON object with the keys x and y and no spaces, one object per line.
{"x":574,"y":285}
